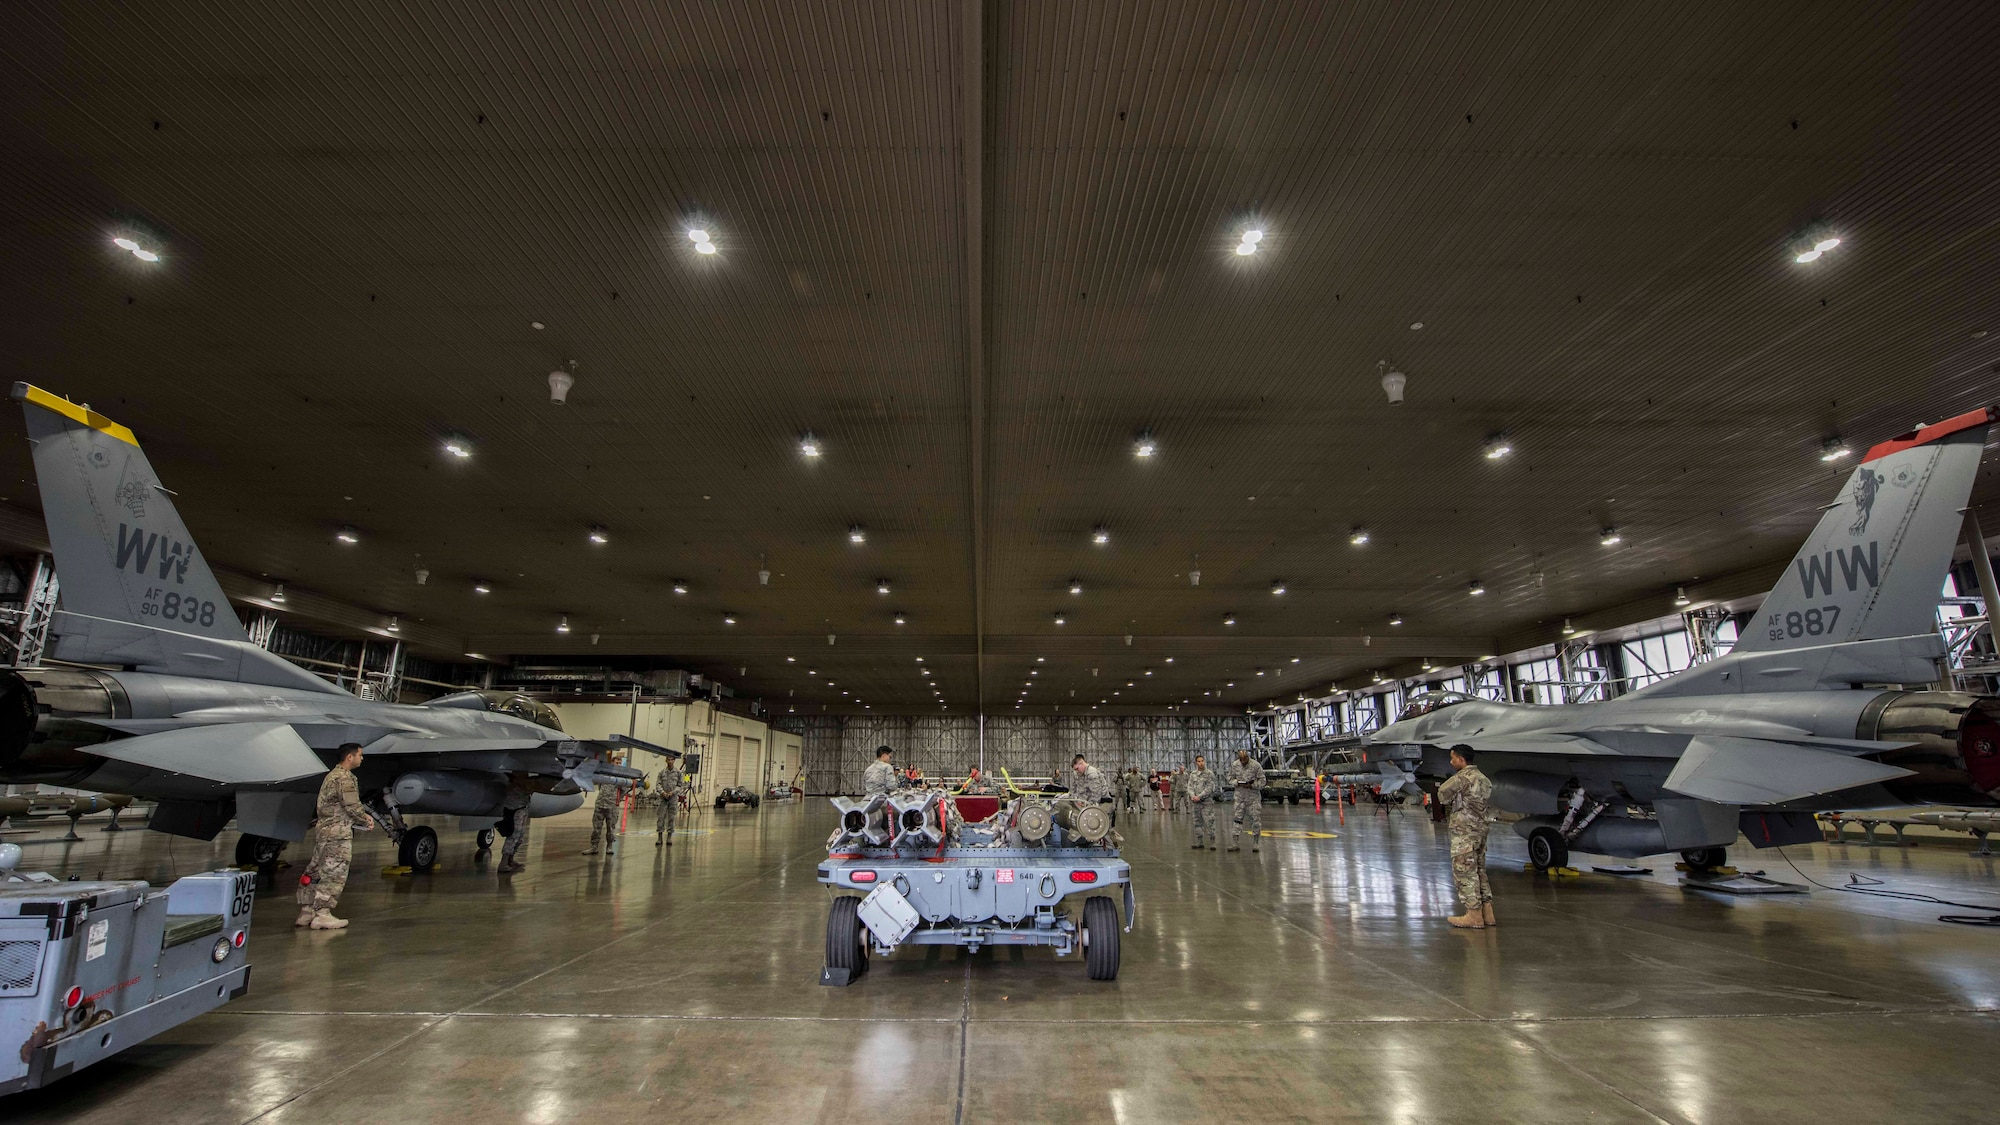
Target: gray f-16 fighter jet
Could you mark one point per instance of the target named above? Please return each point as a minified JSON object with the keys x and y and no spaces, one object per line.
{"x":1808,"y":712}
{"x":179,"y":706}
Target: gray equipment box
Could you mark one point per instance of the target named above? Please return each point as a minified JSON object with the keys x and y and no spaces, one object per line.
{"x":89,"y":969}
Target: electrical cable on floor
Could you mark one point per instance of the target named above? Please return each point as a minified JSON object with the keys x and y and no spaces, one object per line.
{"x":1859,"y":884}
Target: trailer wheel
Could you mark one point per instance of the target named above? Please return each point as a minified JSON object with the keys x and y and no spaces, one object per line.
{"x":257,"y":851}
{"x":418,"y":849}
{"x":1547,"y":849}
{"x":1100,"y":937}
{"x":846,"y":939}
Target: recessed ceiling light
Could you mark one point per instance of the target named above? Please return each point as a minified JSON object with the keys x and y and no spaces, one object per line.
{"x":1498,"y":446}
{"x":1100,"y":535}
{"x":697,"y":234}
{"x":1041,"y":660}
{"x":1358,"y":536}
{"x":599,"y":535}
{"x":791,"y":660}
{"x":458,"y":446}
{"x":1038,"y":671}
{"x":1295,"y":660}
{"x":1246,"y":248}
{"x":1395,"y":619}
{"x":856,"y":534}
{"x":1277,"y":586}
{"x":1476,"y":588}
{"x":704,"y":247}
{"x":1416,"y":326}
{"x":124,"y":243}
{"x":1229,"y":619}
{"x":1144,"y":445}
{"x":1061,"y":620}
{"x":481,"y":588}
{"x":1231,"y":683}
{"x":1260,"y":671}
{"x":563,"y":625}
{"x":809,"y":445}
{"x":729,"y":619}
{"x":1149,"y":671}
{"x":900,"y":619}
{"x":1170,"y":660}
{"x":1833,"y":449}
{"x":882,"y":585}
{"x":680,"y":586}
{"x":537,"y":325}
{"x":347,"y":535}
{"x":1610,"y":537}
{"x":1075,"y":587}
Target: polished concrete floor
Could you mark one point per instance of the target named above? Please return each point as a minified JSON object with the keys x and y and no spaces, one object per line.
{"x":1312,"y":982}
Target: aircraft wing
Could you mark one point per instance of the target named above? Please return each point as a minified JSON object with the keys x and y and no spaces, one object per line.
{"x":1755,"y":771}
{"x":1571,"y":745}
{"x":233,"y":754}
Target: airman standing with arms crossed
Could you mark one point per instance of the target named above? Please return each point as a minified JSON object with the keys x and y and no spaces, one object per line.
{"x":1468,"y":792}
{"x":880,"y":779}
{"x":604,"y":816}
{"x":1248,"y":778}
{"x":1201,"y":789}
{"x":340,"y":813}
{"x":669,"y":785}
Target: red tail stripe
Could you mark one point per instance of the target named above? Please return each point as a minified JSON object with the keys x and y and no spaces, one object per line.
{"x":1930,"y":433}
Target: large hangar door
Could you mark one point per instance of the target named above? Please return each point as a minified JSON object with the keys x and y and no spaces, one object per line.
{"x":728,"y":759}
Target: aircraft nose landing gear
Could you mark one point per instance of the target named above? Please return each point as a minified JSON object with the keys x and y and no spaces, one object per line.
{"x":1547,"y":849}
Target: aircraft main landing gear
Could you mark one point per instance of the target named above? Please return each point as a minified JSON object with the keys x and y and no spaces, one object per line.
{"x":257,"y":851}
{"x":1705,"y":859}
{"x":418,"y":848}
{"x":1547,"y":849}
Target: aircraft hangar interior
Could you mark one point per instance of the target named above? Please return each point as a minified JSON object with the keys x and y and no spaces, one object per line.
{"x":999,"y":561}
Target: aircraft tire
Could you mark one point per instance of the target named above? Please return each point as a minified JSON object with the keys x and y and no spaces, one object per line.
{"x":1705,"y":859}
{"x":846,"y":944}
{"x":486,"y":838}
{"x":1100,"y":937}
{"x":1547,"y":849}
{"x":419,"y":848}
{"x":257,"y":851}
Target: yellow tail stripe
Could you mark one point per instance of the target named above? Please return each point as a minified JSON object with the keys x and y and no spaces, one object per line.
{"x":74,"y":413}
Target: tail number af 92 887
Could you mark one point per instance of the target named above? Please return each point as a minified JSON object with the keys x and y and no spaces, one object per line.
{"x":1814,"y":622}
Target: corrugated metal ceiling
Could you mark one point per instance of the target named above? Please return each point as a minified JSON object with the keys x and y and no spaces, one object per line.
{"x":1585,"y":205}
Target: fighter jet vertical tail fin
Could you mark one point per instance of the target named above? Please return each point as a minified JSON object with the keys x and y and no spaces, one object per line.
{"x":120,"y":546}
{"x":1872,"y":568}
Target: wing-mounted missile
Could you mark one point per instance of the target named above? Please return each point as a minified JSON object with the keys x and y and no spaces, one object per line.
{"x":1034,"y":820}
{"x":1087,"y":823}
{"x":585,"y":766}
{"x":918,"y":818}
{"x":863,"y":823}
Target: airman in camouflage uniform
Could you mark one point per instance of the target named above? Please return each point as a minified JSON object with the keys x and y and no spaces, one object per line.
{"x":1091,"y":787}
{"x":1468,"y":792}
{"x":1248,"y":778}
{"x":879,"y":779}
{"x":669,"y":785}
{"x":604,"y":815}
{"x":514,"y":819}
{"x":1200,"y":790}
{"x":340,"y":813}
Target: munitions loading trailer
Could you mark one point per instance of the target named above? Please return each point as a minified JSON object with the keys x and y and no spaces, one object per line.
{"x":972,"y":870}
{"x":89,"y":969}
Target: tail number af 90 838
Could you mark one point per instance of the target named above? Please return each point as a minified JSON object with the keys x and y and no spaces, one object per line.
{"x":173,"y":606}
{"x":1814,"y":622}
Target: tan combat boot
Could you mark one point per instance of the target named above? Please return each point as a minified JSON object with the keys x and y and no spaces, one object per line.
{"x":1470,"y":920}
{"x":1487,"y":910}
{"x":305,"y":916}
{"x":324,"y":920}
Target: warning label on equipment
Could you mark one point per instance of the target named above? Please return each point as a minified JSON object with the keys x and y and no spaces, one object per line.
{"x":1004,"y":875}
{"x":97,"y":940}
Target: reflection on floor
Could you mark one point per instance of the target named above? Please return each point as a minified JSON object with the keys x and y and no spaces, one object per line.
{"x":1314,"y":981}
